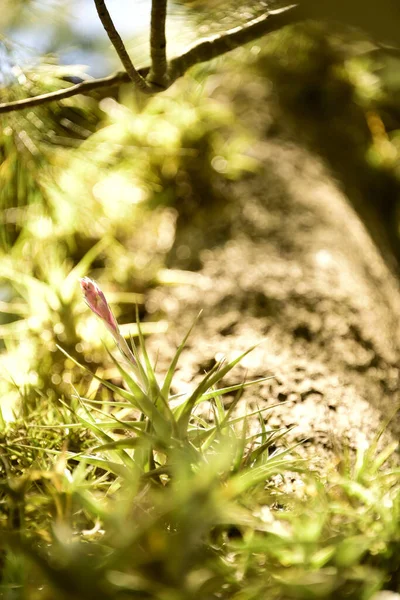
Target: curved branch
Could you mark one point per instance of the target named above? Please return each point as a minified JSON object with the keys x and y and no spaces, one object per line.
{"x":233,"y":38}
{"x":118,"y":44}
{"x":201,"y":52}
{"x":84,"y":87}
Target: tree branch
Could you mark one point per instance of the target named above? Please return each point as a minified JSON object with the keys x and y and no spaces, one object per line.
{"x":84,"y":87}
{"x":118,"y":44}
{"x":158,"y":43}
{"x":201,"y":52}
{"x":233,"y":38}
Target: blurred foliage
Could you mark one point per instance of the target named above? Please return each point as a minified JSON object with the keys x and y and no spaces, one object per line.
{"x":67,"y":210}
{"x":33,"y":141}
{"x":339,"y":94}
{"x":16,"y":12}
{"x":377,"y":21}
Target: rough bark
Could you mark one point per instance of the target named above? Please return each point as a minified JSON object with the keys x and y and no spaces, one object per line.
{"x":284,"y":259}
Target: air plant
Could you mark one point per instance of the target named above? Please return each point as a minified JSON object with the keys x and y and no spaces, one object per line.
{"x":97,"y":302}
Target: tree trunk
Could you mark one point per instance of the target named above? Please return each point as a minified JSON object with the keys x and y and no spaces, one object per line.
{"x":282,"y":258}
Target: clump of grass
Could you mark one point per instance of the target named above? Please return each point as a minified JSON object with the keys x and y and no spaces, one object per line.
{"x":159,"y":503}
{"x":154,"y":498}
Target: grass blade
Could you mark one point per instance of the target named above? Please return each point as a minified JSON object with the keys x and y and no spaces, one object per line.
{"x":172,"y":368}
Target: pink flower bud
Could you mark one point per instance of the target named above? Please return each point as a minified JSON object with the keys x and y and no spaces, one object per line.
{"x":97,"y":302}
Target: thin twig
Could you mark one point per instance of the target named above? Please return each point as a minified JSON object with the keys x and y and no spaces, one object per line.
{"x":201,"y":52}
{"x":118,"y":44}
{"x":158,"y":43}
